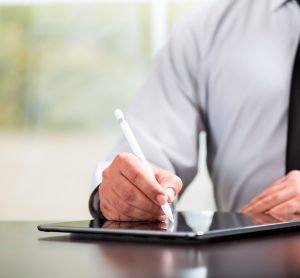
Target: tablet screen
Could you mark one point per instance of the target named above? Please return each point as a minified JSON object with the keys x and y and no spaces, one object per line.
{"x":186,"y":223}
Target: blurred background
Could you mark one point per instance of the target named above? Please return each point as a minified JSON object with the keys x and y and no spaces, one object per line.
{"x":64,"y":67}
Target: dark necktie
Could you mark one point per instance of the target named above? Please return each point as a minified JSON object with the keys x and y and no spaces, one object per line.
{"x":293,"y":138}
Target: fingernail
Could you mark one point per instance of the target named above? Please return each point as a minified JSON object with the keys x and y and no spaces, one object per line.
{"x":161,"y":199}
{"x":163,"y":226}
{"x":171,"y":193}
{"x":162,"y":218}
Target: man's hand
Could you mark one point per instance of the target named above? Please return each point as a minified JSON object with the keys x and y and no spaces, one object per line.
{"x":283,"y":197}
{"x":127,"y":193}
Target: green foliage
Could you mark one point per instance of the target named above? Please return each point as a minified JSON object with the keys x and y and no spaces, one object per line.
{"x":14,"y":32}
{"x":68,"y":67}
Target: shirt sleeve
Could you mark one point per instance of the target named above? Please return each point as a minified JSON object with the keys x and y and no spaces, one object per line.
{"x":166,"y":116}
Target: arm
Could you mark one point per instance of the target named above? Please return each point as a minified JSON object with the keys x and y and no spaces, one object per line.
{"x":166,"y":116}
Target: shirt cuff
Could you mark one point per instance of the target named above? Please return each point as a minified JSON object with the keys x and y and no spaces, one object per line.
{"x":94,"y":201}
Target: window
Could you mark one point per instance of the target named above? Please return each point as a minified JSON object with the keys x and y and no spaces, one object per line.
{"x":65,"y":65}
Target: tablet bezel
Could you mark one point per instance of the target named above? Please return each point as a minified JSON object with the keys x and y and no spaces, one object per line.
{"x":160,"y":235}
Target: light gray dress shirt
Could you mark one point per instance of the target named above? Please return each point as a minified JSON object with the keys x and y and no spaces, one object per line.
{"x":227,"y":71}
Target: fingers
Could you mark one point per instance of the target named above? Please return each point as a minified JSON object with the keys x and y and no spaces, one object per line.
{"x":278,"y":185}
{"x":115,"y":207}
{"x":132,"y":168}
{"x":171,"y":183}
{"x":124,"y":190}
{"x":271,"y":200}
{"x":129,"y":193}
{"x":289,"y":207}
{"x":283,"y":197}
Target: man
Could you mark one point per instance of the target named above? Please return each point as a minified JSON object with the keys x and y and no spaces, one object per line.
{"x":227,"y":71}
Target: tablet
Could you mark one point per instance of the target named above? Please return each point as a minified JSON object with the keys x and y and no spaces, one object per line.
{"x":188,"y":226}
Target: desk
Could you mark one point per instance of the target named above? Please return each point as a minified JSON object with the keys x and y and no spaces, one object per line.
{"x":26,"y":252}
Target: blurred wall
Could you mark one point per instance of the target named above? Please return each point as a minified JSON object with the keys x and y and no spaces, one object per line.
{"x":63,"y":70}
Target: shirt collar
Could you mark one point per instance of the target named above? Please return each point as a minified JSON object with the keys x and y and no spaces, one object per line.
{"x":276,"y":4}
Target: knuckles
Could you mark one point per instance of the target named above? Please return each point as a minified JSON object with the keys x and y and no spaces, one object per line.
{"x":120,"y":157}
{"x":106,"y":174}
{"x":297,"y":189}
{"x":123,"y":158}
{"x":294,"y":175}
{"x":120,"y":160}
{"x":294,"y":181}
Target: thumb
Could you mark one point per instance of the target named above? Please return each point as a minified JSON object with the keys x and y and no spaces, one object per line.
{"x":172,"y":185}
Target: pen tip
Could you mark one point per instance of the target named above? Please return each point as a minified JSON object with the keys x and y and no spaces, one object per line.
{"x":168,"y":212}
{"x":119,"y":115}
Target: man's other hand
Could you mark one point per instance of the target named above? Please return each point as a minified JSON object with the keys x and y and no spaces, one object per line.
{"x":283,"y":197}
{"x":128,"y":193}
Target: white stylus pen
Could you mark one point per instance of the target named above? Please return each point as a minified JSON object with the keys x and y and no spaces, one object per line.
{"x":136,"y":149}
